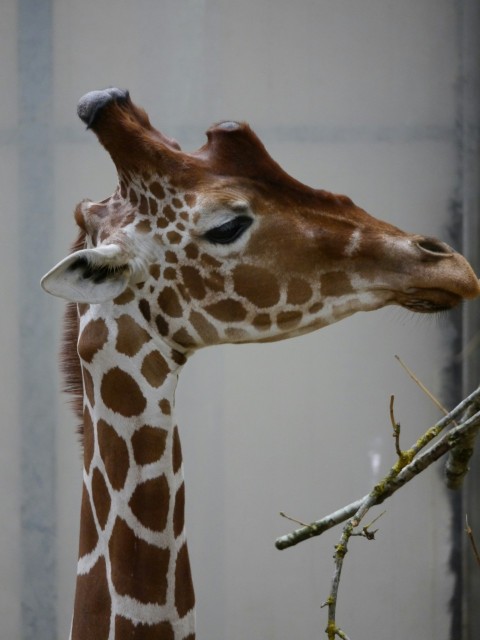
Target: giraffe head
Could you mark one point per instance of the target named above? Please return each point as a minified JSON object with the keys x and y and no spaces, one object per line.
{"x":222,"y":245}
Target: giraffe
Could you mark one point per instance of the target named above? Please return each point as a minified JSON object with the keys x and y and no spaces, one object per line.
{"x":196,"y":249}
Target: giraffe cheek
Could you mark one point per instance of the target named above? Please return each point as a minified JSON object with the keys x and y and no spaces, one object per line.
{"x":227,"y":310}
{"x":214,"y":281}
{"x":257,"y":285}
{"x":204,"y":328}
{"x":194,"y":282}
{"x":169,"y":303}
{"x":335,"y":283}
{"x":298,"y":291}
{"x":262,"y":322}
{"x":288,"y":320}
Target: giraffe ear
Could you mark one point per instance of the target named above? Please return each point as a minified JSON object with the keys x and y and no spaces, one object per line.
{"x":89,"y":275}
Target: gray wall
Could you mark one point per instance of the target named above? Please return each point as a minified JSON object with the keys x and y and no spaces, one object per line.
{"x":470,"y":198}
{"x":357,"y":97}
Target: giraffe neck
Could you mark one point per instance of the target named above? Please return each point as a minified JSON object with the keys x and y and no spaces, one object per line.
{"x":133,"y":577}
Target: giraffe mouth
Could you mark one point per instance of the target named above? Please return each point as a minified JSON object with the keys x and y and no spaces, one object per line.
{"x":429,"y":300}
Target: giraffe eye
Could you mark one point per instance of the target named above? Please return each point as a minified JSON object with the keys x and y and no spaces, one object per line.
{"x":229,"y":231}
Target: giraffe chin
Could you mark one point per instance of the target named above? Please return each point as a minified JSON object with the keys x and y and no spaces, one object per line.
{"x":429,"y":300}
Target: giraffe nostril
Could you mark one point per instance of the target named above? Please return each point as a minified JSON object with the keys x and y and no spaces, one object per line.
{"x":434,"y":247}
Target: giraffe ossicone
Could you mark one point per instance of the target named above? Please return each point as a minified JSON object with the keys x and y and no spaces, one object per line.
{"x":195,"y":249}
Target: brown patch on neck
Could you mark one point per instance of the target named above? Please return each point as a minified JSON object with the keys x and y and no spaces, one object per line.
{"x":149,"y":444}
{"x":127,"y":630}
{"x":92,"y":605}
{"x":88,"y":530}
{"x":114,"y":453}
{"x":150,"y":503}
{"x":131,"y":337}
{"x":184,"y":593}
{"x":121,"y":393}
{"x":139,"y":569}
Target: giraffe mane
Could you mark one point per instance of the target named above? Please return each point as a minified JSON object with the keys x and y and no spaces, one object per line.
{"x":69,"y":359}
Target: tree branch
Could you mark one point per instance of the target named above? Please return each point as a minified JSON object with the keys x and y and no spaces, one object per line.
{"x":406,"y":468}
{"x":456,"y":467}
{"x":409,"y":464}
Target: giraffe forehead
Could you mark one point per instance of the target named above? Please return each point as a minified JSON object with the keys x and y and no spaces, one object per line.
{"x":154,"y":195}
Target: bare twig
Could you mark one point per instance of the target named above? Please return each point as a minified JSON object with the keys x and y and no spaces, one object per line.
{"x":287,"y":517}
{"x":436,"y":402}
{"x":340,"y":552}
{"x":396,"y":428}
{"x":318,"y":527}
{"x":370,"y":535}
{"x":472,"y":541}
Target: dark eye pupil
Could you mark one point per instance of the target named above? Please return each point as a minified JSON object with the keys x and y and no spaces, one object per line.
{"x":229,"y":231}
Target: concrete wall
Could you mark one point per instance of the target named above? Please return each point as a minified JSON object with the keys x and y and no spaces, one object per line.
{"x":470,"y":171}
{"x":355,"y":97}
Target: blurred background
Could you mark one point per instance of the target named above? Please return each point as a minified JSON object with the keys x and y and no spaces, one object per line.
{"x":377,"y":99}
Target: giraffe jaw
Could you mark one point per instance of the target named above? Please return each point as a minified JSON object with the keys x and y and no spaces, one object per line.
{"x":428,"y":300}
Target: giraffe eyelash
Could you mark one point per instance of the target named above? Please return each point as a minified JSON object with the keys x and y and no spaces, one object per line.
{"x":229,"y":231}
